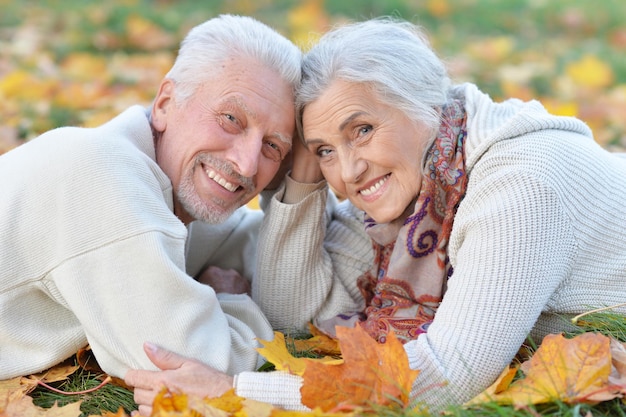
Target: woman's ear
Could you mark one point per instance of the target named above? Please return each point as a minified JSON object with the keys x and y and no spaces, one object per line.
{"x":164,"y":99}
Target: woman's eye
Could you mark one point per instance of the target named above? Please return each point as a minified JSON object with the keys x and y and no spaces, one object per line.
{"x":364,"y":130}
{"x":323,"y":152}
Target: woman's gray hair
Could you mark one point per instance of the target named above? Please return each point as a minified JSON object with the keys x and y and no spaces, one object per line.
{"x":392,"y":57}
{"x":209,"y":44}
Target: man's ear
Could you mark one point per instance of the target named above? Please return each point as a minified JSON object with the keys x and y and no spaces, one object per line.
{"x":164,"y":99}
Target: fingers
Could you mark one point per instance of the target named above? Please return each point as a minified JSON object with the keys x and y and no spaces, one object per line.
{"x":163,"y":358}
{"x":145,"y":410}
{"x":140,"y":379}
{"x":144,"y":397}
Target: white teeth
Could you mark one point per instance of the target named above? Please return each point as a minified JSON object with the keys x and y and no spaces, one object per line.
{"x":375,"y":187}
{"x":221,"y":181}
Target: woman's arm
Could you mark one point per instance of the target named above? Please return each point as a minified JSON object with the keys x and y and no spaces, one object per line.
{"x":311,"y":251}
{"x":511,"y":247}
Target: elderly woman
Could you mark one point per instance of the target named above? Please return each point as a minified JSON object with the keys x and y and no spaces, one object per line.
{"x":489,"y":221}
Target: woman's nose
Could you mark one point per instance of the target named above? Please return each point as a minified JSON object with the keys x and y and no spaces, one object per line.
{"x":352,"y":167}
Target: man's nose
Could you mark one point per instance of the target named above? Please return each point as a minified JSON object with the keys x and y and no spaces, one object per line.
{"x":244,"y":153}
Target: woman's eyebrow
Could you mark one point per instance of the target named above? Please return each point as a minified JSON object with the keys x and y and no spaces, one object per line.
{"x":350,"y":119}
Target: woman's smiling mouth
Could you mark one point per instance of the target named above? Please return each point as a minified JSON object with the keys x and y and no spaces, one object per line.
{"x":371,"y":190}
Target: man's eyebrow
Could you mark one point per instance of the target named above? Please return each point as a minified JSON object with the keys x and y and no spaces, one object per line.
{"x":281,"y":137}
{"x":237,"y":101}
{"x":350,"y":119}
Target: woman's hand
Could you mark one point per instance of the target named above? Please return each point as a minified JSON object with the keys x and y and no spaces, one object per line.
{"x":306,"y":167}
{"x":224,"y":280}
{"x":178,"y":374}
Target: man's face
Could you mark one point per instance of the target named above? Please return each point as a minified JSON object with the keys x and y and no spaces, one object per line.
{"x":224,"y":144}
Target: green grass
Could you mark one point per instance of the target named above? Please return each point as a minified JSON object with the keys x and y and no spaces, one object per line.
{"x":111,"y":397}
{"x":108,"y":398}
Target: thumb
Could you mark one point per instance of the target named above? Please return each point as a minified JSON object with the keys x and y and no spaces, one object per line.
{"x":163,"y":359}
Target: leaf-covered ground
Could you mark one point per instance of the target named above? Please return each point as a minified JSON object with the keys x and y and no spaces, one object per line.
{"x":64,"y":62}
{"x":582,"y":374}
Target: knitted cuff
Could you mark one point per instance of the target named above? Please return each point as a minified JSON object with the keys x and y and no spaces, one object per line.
{"x":298,"y":191}
{"x":277,"y":388}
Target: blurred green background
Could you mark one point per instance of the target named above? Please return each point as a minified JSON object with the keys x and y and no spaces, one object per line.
{"x":81,"y":62}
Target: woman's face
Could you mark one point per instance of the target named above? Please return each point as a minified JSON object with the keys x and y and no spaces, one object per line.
{"x":368,"y":151}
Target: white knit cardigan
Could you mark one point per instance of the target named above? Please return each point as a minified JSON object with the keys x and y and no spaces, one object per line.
{"x":91,"y":252}
{"x":539,"y":235}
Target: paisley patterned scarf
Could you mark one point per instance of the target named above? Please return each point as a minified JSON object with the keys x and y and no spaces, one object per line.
{"x":408,"y":279}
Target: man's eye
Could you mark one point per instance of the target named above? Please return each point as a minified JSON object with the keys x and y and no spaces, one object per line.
{"x":272,"y":151}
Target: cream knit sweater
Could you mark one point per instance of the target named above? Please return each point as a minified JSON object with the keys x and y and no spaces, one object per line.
{"x":93,"y":253}
{"x":539,"y":235}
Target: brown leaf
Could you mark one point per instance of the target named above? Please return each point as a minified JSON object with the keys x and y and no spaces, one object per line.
{"x":371,"y":373}
{"x":24,"y":407}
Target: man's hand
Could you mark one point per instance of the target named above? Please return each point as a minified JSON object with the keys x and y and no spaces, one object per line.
{"x":224,"y":280}
{"x":178,"y":374}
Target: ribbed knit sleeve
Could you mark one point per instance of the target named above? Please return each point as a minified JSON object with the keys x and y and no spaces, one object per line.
{"x":310,"y":254}
{"x":277,"y":388}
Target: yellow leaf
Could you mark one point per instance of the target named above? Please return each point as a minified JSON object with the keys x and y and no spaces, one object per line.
{"x":306,"y":22}
{"x":501,"y":383}
{"x":229,"y":402}
{"x":561,"y":108}
{"x":146,"y":35}
{"x":591,"y":72}
{"x":82,"y":66}
{"x":276,"y":352}
{"x":567,"y":370}
{"x":492,"y":49}
{"x":168,"y":404}
{"x":254,"y":203}
{"x":21,"y":85}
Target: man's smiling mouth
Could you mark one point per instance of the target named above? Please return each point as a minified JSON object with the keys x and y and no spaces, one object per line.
{"x":221,"y":181}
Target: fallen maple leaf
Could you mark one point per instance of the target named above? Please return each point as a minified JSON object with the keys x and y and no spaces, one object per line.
{"x":24,"y":407}
{"x":170,"y":404}
{"x":500,"y":385}
{"x":372,"y":373}
{"x":276,"y":352}
{"x":319,"y":343}
{"x":569,"y":370}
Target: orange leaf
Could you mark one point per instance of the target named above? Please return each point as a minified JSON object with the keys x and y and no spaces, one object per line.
{"x":569,"y":370}
{"x":319,"y":343}
{"x":277,"y":353}
{"x":372,"y":373}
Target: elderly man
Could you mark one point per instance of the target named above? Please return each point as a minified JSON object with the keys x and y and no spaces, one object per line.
{"x":99,"y":243}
